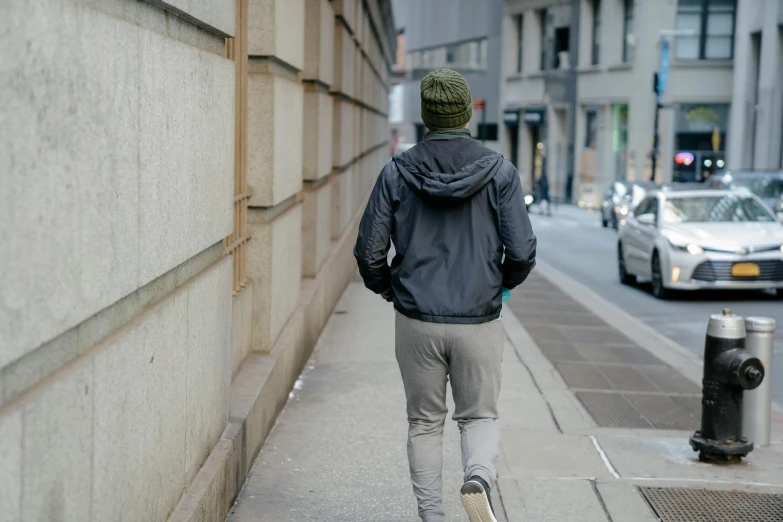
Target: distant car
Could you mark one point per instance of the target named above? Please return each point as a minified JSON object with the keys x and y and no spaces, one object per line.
{"x":620,"y":198}
{"x":767,"y":185}
{"x":688,"y":240}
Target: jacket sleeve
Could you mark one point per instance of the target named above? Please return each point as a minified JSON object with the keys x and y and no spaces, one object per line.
{"x":516,"y":232}
{"x":373,"y":242}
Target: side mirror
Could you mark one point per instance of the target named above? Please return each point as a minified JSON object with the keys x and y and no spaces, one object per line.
{"x":646,"y":219}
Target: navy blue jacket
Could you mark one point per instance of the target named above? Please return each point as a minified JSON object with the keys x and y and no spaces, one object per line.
{"x":455,"y":212}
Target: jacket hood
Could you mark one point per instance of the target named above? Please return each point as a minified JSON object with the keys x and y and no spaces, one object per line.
{"x":449,"y":187}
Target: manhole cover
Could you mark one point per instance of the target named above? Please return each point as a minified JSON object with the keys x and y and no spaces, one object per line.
{"x":703,"y":505}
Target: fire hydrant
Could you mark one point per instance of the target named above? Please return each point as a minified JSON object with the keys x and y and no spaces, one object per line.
{"x":728,"y":370}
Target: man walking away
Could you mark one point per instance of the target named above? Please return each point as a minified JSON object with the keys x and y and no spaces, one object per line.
{"x":456,"y":214}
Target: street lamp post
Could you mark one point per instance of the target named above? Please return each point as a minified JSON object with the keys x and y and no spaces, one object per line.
{"x":660,"y":80}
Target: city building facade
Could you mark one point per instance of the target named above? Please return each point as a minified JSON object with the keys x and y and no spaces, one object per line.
{"x":619,"y":51}
{"x":182,"y":183}
{"x":463,"y":35}
{"x":757,"y":134}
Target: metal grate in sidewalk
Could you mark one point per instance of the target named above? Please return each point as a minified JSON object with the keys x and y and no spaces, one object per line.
{"x":704,"y":505}
{"x":621,"y":384}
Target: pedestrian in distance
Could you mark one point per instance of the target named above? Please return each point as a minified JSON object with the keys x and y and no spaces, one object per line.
{"x":543,"y":190}
{"x":456,"y":215}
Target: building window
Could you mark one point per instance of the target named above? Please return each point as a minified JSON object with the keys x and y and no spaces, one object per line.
{"x":520,"y":34}
{"x":562,"y":40}
{"x":620,"y":142}
{"x":591,"y":129}
{"x":542,"y":24}
{"x":711,"y":23}
{"x":628,"y":38}
{"x":465,"y":56}
{"x":596,"y":32}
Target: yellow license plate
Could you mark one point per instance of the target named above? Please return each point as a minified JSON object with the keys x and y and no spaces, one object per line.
{"x":745,"y":270}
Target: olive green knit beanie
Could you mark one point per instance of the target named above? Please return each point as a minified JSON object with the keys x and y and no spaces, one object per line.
{"x":445,"y":100}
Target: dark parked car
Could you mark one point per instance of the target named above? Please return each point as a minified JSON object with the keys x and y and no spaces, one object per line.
{"x":767,"y":185}
{"x":620,"y":199}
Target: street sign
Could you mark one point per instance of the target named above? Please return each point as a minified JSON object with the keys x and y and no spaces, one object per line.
{"x":663,"y":72}
{"x":478,"y":104}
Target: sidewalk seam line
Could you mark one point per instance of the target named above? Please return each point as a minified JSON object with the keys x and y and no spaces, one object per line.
{"x":601,"y":501}
{"x":604,"y":457}
{"x":535,"y":383}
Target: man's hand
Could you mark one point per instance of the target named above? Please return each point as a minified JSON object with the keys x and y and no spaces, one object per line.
{"x":388,"y":295}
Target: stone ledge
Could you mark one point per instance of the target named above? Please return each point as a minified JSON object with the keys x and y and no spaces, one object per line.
{"x":36,"y":366}
{"x":261,"y":387}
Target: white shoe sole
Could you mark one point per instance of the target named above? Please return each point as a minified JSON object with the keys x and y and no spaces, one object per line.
{"x":474,"y":498}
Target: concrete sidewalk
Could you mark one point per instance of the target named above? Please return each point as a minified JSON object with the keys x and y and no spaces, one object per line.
{"x":337,"y":452}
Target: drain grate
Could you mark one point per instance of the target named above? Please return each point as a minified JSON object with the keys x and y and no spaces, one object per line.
{"x":668,"y":413}
{"x":642,"y":410}
{"x":611,"y":410}
{"x":703,"y":505}
{"x":669,"y":380}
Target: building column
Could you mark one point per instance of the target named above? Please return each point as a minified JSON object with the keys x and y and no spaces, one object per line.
{"x":766,"y":149}
{"x":739,"y":146}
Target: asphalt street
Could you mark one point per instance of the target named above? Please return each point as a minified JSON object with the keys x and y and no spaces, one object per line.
{"x":573,"y":241}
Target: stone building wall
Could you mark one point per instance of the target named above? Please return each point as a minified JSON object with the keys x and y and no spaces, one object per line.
{"x":181,"y":187}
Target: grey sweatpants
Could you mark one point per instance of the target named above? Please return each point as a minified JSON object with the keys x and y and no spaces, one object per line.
{"x":428,"y":353}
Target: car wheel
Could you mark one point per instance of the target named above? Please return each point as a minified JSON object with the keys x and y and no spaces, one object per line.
{"x":625,"y":277}
{"x":658,"y":289}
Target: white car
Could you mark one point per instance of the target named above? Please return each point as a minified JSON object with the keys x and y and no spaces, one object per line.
{"x":702,"y":239}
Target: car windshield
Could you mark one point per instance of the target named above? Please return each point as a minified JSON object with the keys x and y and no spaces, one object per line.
{"x":765,"y":188}
{"x":715,"y":209}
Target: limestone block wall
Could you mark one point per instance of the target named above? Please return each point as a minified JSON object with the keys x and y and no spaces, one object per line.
{"x":116,"y":162}
{"x":94,"y":162}
{"x":182,"y":181}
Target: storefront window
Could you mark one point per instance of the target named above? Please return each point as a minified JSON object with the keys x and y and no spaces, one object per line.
{"x":699,"y":141}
